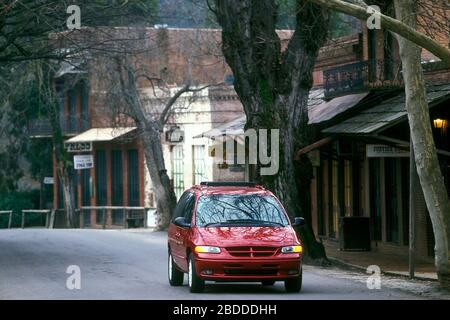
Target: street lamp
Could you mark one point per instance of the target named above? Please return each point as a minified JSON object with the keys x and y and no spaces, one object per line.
{"x":440,"y":123}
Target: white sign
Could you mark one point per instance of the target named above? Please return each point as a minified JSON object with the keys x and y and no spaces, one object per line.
{"x":49,"y":180}
{"x":151,"y":218}
{"x":78,"y":146}
{"x":381,"y":151}
{"x":85,"y":161}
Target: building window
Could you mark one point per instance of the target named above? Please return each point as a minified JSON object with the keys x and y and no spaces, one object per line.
{"x":348,"y":188}
{"x":100,"y":178}
{"x":71,"y":125}
{"x":84,"y":105}
{"x":392,"y":199}
{"x":335,"y":199}
{"x":375,"y":197}
{"x":117,"y":186}
{"x":133,"y":178}
{"x":86,"y":196}
{"x":177,"y":170}
{"x":198,"y":153}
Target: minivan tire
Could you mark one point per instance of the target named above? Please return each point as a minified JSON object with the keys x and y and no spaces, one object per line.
{"x":176,"y":277}
{"x":295,"y":284}
{"x":196,"y":284}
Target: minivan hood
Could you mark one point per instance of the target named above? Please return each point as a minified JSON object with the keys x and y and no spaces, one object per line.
{"x":247,"y":236}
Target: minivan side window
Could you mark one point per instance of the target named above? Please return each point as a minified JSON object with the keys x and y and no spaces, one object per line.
{"x":189,"y":208}
{"x":181,"y":205}
{"x":180,"y":208}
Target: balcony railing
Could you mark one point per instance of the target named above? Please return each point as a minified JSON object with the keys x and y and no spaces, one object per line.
{"x":362,"y":76}
{"x":69,"y":126}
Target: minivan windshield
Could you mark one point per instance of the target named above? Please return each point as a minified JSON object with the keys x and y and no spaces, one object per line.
{"x":239,"y":210}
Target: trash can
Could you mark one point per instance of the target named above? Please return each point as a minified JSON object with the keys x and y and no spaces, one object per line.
{"x":354,"y":234}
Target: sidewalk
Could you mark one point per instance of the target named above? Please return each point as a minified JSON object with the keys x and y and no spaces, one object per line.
{"x":388,"y":263}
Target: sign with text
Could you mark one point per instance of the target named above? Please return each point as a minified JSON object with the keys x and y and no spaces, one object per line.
{"x":78,"y":146}
{"x":49,"y":180}
{"x":85,"y":161}
{"x":382,"y":151}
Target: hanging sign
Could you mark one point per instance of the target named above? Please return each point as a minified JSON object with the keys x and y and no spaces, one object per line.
{"x":384,"y":151}
{"x":85,"y":161}
{"x":79,"y":146}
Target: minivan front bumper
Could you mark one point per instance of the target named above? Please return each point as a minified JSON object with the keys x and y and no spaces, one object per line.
{"x":251,"y":269}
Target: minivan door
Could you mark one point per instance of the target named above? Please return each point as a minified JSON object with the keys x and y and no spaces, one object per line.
{"x":176,"y":234}
{"x":184,"y":233}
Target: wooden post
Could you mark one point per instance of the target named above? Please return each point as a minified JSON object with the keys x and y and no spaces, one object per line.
{"x":412,"y":211}
{"x":145,"y":218}
{"x":10,"y":220}
{"x":125,"y":218}
{"x":23,"y":219}
{"x":47,"y":219}
{"x":80,"y":216}
{"x":52,"y":219}
{"x":104,"y":218}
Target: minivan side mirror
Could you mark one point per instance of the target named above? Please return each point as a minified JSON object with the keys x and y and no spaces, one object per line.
{"x":181,"y":222}
{"x":298,"y":222}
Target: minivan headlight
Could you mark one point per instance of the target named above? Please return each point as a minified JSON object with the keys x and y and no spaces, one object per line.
{"x":292,"y":249}
{"x":207,"y":249}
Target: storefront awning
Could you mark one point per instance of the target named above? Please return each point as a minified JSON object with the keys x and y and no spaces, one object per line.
{"x":233,"y":128}
{"x":327,"y":110}
{"x":386,"y":114}
{"x":101,"y":134}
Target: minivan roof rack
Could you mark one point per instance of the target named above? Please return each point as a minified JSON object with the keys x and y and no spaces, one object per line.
{"x":228,"y":184}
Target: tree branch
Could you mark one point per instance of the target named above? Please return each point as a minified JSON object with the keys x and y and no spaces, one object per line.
{"x":390,"y":24}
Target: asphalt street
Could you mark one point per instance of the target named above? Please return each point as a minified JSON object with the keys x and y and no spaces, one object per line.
{"x":116,"y":264}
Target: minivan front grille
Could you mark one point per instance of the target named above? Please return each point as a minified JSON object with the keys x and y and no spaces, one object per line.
{"x":254,"y":251}
{"x":251,"y":272}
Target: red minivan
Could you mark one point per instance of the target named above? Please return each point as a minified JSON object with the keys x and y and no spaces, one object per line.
{"x":233,"y":231}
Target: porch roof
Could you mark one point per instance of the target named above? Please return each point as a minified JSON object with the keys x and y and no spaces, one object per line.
{"x":235,"y":127}
{"x":101,"y":134}
{"x":386,"y":114}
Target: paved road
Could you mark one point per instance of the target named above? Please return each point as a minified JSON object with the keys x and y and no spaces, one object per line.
{"x":132,"y":265}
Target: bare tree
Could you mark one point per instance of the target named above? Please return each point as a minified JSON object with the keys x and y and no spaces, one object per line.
{"x":358,"y":9}
{"x":132,"y":103}
{"x":435,"y":27}
{"x":426,"y":159}
{"x":273,"y":84}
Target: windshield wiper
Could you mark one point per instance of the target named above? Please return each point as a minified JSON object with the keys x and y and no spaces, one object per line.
{"x":252,"y":221}
{"x":211,"y":224}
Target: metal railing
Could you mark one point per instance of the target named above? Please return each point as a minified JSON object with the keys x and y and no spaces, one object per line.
{"x":69,"y":126}
{"x":49,"y":217}
{"x":104,"y":216}
{"x":369,"y":74}
{"x":361,"y":76}
{"x":10,"y":213}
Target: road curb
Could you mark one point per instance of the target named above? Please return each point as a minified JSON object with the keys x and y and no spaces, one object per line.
{"x":343,"y":264}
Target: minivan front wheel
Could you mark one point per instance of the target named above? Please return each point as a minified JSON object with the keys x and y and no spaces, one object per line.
{"x":175,"y":275}
{"x":294,"y":284}
{"x":196,"y":285}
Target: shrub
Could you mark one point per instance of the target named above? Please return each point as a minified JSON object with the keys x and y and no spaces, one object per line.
{"x":18,"y":201}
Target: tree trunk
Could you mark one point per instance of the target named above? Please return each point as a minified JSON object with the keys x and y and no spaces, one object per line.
{"x":62,"y":166}
{"x":68,"y":196}
{"x":273,"y":87}
{"x":427,"y":163}
{"x":150,"y":132}
{"x":164,"y":194}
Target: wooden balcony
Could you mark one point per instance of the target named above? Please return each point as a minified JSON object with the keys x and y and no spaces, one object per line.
{"x":362,"y":76}
{"x":70,"y":126}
